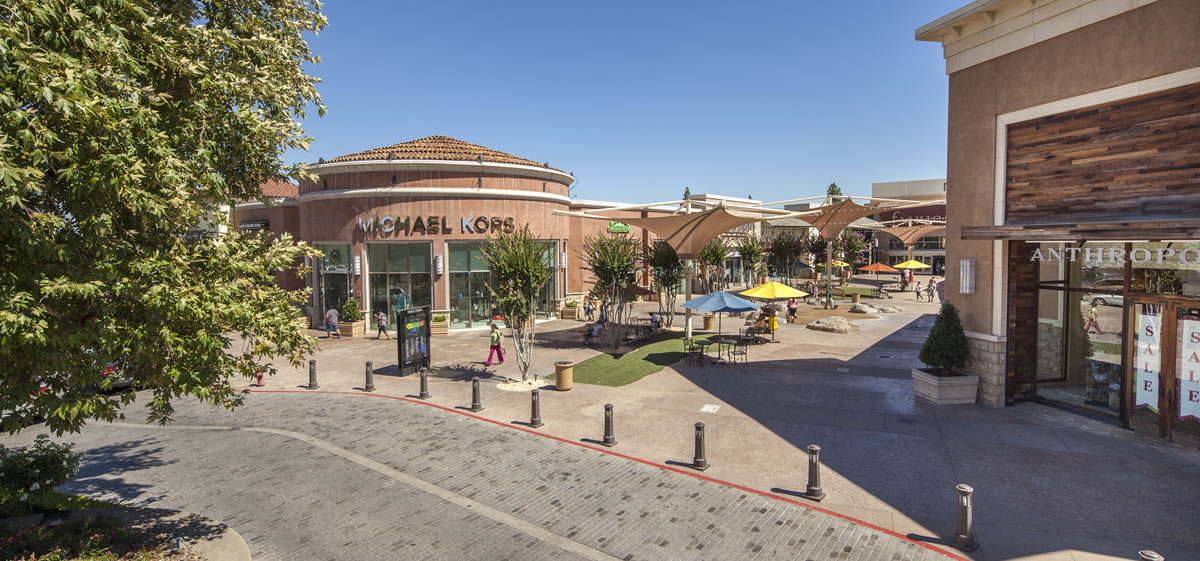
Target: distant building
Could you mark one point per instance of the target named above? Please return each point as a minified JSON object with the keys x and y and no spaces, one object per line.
{"x":930,"y":249}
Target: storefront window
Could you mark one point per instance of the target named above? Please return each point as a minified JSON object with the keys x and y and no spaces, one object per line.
{"x":399,"y":276}
{"x":1166,"y":268}
{"x":470,"y":303}
{"x":332,"y":277}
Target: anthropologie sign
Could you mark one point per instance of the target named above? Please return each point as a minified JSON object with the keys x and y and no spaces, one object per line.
{"x":433,"y":225}
{"x":1117,"y":255}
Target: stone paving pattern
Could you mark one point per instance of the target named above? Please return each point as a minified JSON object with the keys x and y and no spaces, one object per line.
{"x":292,"y":501}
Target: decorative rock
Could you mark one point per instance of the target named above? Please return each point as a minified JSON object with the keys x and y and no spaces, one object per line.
{"x":865,"y":308}
{"x":887,"y":309}
{"x":832,"y":324}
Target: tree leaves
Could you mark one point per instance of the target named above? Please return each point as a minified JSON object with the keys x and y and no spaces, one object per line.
{"x":123,"y":125}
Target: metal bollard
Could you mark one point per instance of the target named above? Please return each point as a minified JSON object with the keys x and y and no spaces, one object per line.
{"x":475,"y":404}
{"x":312,"y":375}
{"x":369,"y":386}
{"x":814,"y":492}
{"x":609,"y":439}
{"x":424,"y":386}
{"x":1147,"y":555}
{"x":699,"y":462}
{"x":964,"y":530}
{"x":535,"y":419}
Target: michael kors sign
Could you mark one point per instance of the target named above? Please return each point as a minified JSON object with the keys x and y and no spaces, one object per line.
{"x":434,"y":225}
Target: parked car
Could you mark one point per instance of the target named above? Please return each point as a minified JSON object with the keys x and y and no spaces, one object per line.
{"x":114,"y":376}
{"x":1113,"y":284}
{"x":21,"y":413}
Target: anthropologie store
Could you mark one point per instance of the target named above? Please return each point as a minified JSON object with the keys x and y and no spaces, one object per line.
{"x":1078,"y":123}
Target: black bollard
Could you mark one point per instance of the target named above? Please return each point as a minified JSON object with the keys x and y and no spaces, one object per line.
{"x":312,"y":375}
{"x":814,"y":491}
{"x":475,"y":404}
{"x":609,"y":439}
{"x":964,"y":530}
{"x":369,"y":386}
{"x":424,"y":386}
{"x":1147,"y":555}
{"x":535,"y":420}
{"x":699,"y":462}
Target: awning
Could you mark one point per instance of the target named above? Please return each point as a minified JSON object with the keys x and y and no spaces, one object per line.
{"x":689,"y":233}
{"x":1095,"y":231}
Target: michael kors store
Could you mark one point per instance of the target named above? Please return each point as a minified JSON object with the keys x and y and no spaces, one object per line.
{"x":404,"y":225}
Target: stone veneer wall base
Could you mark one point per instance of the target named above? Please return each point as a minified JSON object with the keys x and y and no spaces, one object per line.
{"x":988,"y":360}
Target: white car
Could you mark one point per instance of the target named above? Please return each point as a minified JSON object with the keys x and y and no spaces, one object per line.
{"x":1096,"y":299}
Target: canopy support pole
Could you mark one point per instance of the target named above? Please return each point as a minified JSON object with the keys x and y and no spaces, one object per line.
{"x":828,"y":274}
{"x":687,"y":291}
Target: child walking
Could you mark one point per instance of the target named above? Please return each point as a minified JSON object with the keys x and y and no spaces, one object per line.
{"x":382,"y":318}
{"x":496,"y":348}
{"x":918,"y":290}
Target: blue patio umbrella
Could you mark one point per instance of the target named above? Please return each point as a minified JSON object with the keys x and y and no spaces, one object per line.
{"x":801,"y":265}
{"x":718,"y":302}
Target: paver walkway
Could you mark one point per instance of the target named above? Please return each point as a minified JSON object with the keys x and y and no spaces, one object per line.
{"x":329,"y":476}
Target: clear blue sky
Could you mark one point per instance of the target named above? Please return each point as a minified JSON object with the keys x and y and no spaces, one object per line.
{"x":640,"y":99}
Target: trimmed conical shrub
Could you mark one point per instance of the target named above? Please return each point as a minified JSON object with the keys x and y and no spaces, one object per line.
{"x":946,"y":348}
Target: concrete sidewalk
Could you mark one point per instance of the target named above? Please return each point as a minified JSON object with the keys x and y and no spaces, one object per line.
{"x":1049,"y":484}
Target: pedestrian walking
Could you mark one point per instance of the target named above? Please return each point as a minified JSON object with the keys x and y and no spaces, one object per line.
{"x":331,"y":323}
{"x":1093,"y":321}
{"x":382,"y":318}
{"x":918,"y":291}
{"x":496,"y":337}
{"x":791,"y":309}
{"x":929,"y":288}
{"x":589,"y":308}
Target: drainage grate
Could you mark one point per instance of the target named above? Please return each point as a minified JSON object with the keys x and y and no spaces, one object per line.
{"x":884,"y":356}
{"x":843,"y":369}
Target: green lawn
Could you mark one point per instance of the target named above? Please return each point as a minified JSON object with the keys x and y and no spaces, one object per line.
{"x":651,"y":355}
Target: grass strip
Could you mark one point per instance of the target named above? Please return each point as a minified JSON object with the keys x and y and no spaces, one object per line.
{"x":649,"y":356}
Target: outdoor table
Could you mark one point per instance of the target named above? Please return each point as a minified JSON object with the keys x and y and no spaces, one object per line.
{"x":704,"y":345}
{"x":725,"y":343}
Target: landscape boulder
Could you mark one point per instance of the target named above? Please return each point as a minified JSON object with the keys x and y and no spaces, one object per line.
{"x":832,"y":324}
{"x":865,"y":308}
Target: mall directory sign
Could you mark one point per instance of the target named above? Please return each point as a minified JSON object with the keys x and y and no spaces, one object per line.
{"x":412,"y":329}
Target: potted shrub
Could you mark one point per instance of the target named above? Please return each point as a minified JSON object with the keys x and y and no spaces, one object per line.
{"x":352,"y":320}
{"x":944,"y":351}
{"x":570,"y":310}
{"x":439,"y":325}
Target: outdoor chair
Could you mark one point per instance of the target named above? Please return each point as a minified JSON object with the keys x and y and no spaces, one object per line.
{"x":694,"y":351}
{"x":739,"y":351}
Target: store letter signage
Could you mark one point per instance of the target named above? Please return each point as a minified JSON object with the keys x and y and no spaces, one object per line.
{"x":1146,"y":363}
{"x":1116,"y":255}
{"x":617,"y":228}
{"x":1189,"y":371}
{"x":434,"y":225}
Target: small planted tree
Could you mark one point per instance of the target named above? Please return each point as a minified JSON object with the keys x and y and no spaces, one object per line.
{"x":783,"y":250}
{"x":850,"y":245}
{"x":712,"y":263}
{"x":946,"y":347}
{"x":350,"y":311}
{"x":612,"y":258}
{"x":754,"y":252}
{"x":668,"y":271}
{"x":519,"y":266}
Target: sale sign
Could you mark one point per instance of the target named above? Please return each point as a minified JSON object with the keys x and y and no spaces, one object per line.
{"x":1189,"y":369}
{"x":1146,"y":361}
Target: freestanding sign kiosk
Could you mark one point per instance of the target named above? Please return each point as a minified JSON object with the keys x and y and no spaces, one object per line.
{"x":412,"y":341}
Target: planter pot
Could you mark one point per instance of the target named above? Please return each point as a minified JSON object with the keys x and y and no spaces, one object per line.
{"x":568,"y":313}
{"x":945,"y":390}
{"x":352,"y":328}
{"x":439,"y":328}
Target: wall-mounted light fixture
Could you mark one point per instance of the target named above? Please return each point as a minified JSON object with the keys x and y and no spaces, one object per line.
{"x":356,"y":265}
{"x":562,"y":261}
{"x":966,"y":276}
{"x":437,"y":265}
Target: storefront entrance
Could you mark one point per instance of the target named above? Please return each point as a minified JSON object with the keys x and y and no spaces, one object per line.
{"x":470,"y":301}
{"x":1164,"y":370}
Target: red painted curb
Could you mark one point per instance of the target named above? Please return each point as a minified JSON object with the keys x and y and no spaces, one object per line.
{"x":639,"y":460}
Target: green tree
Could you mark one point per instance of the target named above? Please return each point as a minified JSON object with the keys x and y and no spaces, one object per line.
{"x":667,"y":270}
{"x":687,"y":193}
{"x":754,"y":252}
{"x":850,"y":246}
{"x":712,"y":264}
{"x":946,"y":347}
{"x":612,"y":258}
{"x":783,"y":250}
{"x":834,"y":192}
{"x":520,"y":265}
{"x":126,"y":124}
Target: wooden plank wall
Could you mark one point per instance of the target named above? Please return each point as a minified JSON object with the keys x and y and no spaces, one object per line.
{"x":1022,"y":321}
{"x":1138,"y":159}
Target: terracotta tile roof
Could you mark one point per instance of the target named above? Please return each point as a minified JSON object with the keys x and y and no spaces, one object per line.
{"x":280,"y":189}
{"x":437,"y":148}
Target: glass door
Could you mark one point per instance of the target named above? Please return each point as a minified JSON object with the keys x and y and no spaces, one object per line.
{"x":1184,"y":420}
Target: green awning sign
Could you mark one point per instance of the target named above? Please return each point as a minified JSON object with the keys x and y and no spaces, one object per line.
{"x":618,"y":228}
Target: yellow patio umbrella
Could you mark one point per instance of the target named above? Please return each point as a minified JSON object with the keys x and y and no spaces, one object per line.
{"x":836,"y":263}
{"x":911,"y":264}
{"x":773,"y":291}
